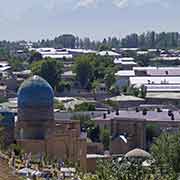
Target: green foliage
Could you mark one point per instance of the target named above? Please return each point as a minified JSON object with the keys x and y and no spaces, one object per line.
{"x":166,"y":151}
{"x":59,"y":105}
{"x":123,"y":170}
{"x":35,"y":56}
{"x":105,"y":138}
{"x":89,"y":177}
{"x":3,"y":100}
{"x":104,"y":47}
{"x":49,"y":69}
{"x":109,"y":79}
{"x":151,"y":40}
{"x":88,"y":125}
{"x":92,"y":69}
{"x":85,"y":121}
{"x":94,"y":134}
{"x":84,"y":70}
{"x":143,"y":60}
{"x":95,"y":85}
{"x":142,"y":92}
{"x":4,"y":53}
{"x":63,"y":85}
{"x":62,"y":41}
{"x":17,"y":149}
{"x":113,"y":104}
{"x":134,"y":91}
{"x":152,"y":130}
{"x":17,"y":64}
{"x":114,"y":90}
{"x":85,"y":106}
{"x":102,"y":65}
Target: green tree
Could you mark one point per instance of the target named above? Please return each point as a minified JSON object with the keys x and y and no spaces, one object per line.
{"x":152,"y":130}
{"x":49,"y":69}
{"x":59,"y":105}
{"x":95,"y":86}
{"x":94,"y":134}
{"x":63,"y":85}
{"x":84,"y":70}
{"x":166,"y":151}
{"x":17,"y":64}
{"x":125,"y":170}
{"x":105,"y":138}
{"x":143,"y":91}
{"x":35,"y":56}
{"x":109,"y":79}
{"x":85,"y":106}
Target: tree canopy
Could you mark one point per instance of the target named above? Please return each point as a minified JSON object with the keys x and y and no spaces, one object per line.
{"x":91,"y":69}
{"x":49,"y":69}
{"x":84,"y":70}
{"x":166,"y":151}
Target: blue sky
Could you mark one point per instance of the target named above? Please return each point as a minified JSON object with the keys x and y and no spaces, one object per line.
{"x":37,"y":19}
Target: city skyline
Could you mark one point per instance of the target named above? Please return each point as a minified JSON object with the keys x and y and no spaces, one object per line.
{"x":34,"y":20}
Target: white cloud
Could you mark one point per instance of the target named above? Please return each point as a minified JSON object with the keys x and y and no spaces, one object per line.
{"x":86,"y":3}
{"x":121,"y":3}
{"x":125,"y":3}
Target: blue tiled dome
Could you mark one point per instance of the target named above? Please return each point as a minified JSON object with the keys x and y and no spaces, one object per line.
{"x":35,"y":92}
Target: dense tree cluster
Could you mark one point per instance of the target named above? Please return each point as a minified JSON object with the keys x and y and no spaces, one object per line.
{"x":49,"y":69}
{"x":91,"y":70}
{"x":146,"y":40}
{"x":151,"y":39}
{"x":166,"y":151}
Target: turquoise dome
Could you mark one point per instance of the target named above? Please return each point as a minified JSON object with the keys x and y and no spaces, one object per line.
{"x":35,"y":92}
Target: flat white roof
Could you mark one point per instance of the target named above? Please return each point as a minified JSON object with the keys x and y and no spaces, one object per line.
{"x":144,"y":68}
{"x":125,"y":73}
{"x":4,"y":63}
{"x":166,"y":58}
{"x":125,"y":98}
{"x":139,"y":80}
{"x":129,"y":49}
{"x":153,"y":67}
{"x":58,"y":56}
{"x":45,"y":50}
{"x":163,"y":95}
{"x":129,"y":63}
{"x":163,"y":88}
{"x":68,"y":73}
{"x":108,"y":53}
{"x":89,"y":156}
{"x":159,"y":71}
{"x":5,"y":68}
{"x":125,"y":60}
{"x":84,"y":51}
{"x":142,"y":52}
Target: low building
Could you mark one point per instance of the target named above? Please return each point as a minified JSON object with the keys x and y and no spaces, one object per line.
{"x":128,"y":128}
{"x":125,"y":63}
{"x":108,"y":53}
{"x":162,"y":79}
{"x":122,"y":77}
{"x":126,"y":101}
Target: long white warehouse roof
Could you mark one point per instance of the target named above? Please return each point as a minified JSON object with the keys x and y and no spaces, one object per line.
{"x":139,"y":80}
